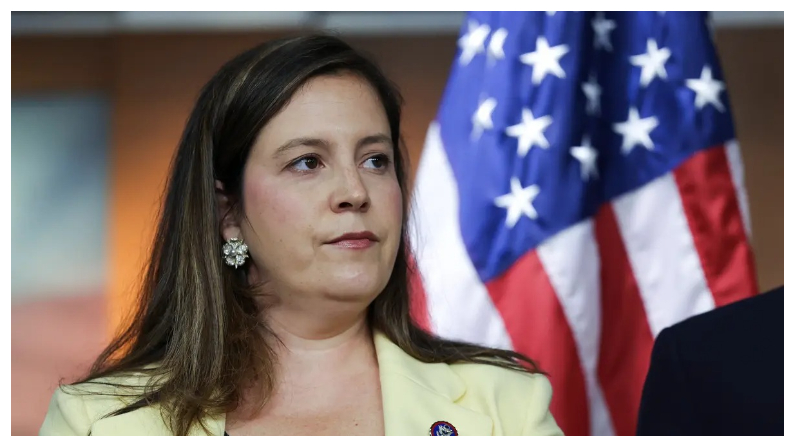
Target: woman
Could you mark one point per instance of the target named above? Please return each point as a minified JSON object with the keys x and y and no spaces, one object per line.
{"x":276,"y":298}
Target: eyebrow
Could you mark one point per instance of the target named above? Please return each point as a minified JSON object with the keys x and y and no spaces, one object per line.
{"x":321,"y":143}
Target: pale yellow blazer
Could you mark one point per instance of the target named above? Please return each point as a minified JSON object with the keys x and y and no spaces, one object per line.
{"x":475,"y":399}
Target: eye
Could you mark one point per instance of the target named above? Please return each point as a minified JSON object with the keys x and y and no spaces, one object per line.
{"x":379,"y":161}
{"x":306,"y":163}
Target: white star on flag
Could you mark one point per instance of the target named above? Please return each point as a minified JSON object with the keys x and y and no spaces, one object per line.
{"x":592,"y":92}
{"x":530,"y":131}
{"x":496,"y":43}
{"x":635,"y":130}
{"x":586,"y":155}
{"x":518,"y":202}
{"x":473,"y":42}
{"x":545,"y":59}
{"x":707,"y":89}
{"x":602,"y":28}
{"x":482,"y":117}
{"x":652,"y":62}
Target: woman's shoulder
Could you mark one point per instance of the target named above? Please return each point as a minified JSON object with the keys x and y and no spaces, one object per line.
{"x":501,"y":378}
{"x":74,"y":408}
{"x":520,"y":398}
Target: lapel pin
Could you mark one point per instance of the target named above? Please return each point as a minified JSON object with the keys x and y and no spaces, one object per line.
{"x":443,"y":428}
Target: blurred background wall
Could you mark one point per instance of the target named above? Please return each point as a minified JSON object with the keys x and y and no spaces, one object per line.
{"x":98,"y":104}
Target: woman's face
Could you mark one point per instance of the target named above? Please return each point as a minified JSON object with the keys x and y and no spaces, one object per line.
{"x":322,"y":204}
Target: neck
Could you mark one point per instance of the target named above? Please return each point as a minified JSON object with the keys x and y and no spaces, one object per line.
{"x":313,"y":333}
{"x":314,"y":348}
{"x":306,"y":356}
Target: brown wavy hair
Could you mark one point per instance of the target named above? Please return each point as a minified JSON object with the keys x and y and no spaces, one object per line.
{"x":196,"y":327}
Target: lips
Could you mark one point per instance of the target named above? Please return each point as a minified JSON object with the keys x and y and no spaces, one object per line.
{"x":358,"y":240}
{"x":362,"y":235}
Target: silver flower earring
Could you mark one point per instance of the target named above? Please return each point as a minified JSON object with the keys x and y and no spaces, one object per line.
{"x":235,"y":252}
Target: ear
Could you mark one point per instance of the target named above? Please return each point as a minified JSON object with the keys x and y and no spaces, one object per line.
{"x":230,"y":226}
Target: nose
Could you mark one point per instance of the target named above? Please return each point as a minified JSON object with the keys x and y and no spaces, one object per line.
{"x":350,"y":193}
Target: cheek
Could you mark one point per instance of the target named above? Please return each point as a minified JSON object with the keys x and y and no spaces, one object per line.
{"x":272,"y":210}
{"x":396,"y":202}
{"x":393,"y":200}
{"x":264,"y":204}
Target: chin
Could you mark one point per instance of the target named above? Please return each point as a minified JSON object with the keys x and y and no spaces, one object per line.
{"x":361,"y":285}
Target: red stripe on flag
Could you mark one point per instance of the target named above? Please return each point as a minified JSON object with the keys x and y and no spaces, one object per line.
{"x":538,"y":329}
{"x":713,"y":213}
{"x":418,"y":301}
{"x":626,"y":342}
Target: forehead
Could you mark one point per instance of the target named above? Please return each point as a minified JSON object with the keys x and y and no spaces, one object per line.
{"x":343,"y":103}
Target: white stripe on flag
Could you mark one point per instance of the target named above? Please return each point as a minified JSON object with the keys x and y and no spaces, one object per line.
{"x":735,"y":158}
{"x":662,"y":253}
{"x":571,"y":261}
{"x":459,"y":305}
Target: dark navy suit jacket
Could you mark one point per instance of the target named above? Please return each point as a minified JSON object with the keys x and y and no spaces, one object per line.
{"x":719,"y":373}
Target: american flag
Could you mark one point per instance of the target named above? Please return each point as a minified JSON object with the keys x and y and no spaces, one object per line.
{"x":581,"y":189}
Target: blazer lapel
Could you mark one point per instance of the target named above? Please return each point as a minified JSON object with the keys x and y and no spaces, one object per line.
{"x":147,"y":421}
{"x":416,"y":395}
